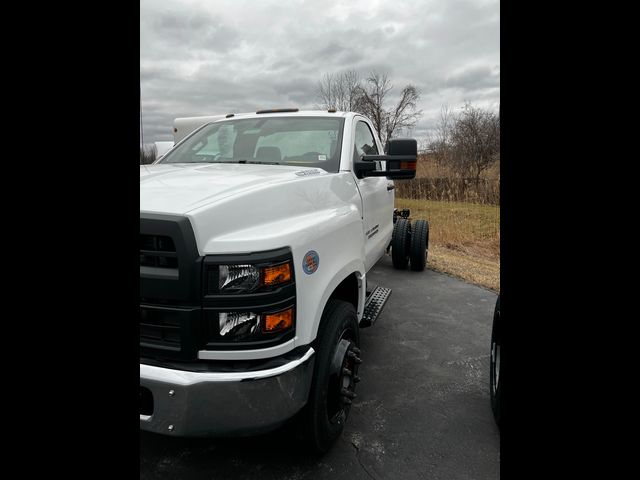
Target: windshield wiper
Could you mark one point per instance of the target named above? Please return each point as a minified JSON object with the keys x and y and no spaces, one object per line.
{"x":256,"y":163}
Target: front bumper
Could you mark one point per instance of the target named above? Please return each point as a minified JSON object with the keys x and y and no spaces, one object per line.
{"x":196,"y":404}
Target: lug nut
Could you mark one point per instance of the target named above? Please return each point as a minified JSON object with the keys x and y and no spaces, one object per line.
{"x":171,"y":428}
{"x":346,"y":371}
{"x":355,"y":357}
{"x":348,"y":393}
{"x":172,"y":393}
{"x":356,"y":379}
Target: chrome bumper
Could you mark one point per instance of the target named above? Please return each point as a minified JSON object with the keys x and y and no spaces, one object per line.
{"x":225,"y":403}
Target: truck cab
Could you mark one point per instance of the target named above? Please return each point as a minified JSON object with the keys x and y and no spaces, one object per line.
{"x":256,"y":236}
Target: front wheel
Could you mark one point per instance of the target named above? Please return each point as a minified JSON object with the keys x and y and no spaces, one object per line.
{"x":494,"y":368}
{"x":335,"y":376}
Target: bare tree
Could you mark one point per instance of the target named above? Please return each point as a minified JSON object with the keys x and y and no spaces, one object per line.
{"x":440,"y":142}
{"x":372,"y":99}
{"x":469,"y":142}
{"x":347,"y":92}
{"x":475,"y":138}
{"x":406,"y":114}
{"x":339,"y":91}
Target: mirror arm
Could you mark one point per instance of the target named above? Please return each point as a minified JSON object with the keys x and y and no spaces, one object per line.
{"x":386,"y":158}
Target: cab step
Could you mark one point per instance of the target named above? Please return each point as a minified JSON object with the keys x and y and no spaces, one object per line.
{"x":376,"y":301}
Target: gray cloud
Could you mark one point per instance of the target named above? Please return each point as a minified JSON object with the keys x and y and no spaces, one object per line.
{"x":204,"y":58}
{"x":475,"y":78}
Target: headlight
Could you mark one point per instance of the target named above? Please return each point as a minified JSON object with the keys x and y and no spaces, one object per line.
{"x":247,"y":326}
{"x":233,"y":279}
{"x":238,"y":278}
{"x":248,"y":300}
{"x":239,"y":325}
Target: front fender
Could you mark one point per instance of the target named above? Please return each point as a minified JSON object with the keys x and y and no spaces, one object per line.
{"x":321,"y":214}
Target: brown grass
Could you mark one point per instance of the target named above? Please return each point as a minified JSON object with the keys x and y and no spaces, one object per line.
{"x":443,"y":183}
{"x":464,"y":239}
{"x":427,"y":167}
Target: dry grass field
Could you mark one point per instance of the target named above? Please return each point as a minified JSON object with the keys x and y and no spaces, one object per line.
{"x":464,"y":239}
{"x":427,"y":167}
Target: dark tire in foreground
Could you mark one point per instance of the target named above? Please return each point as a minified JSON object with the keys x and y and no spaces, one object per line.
{"x":494,"y":368}
{"x":419,"y":245}
{"x":400,"y":243}
{"x":335,"y":376}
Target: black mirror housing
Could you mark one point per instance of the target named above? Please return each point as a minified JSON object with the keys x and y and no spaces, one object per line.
{"x":402,"y":146}
{"x":401,"y":158}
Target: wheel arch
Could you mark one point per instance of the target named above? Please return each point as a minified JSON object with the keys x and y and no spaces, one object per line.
{"x":349,"y":285}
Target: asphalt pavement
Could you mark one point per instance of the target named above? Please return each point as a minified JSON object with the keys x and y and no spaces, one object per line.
{"x":422,"y":410}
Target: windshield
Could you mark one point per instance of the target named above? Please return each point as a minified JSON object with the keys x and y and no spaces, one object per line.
{"x":301,"y":141}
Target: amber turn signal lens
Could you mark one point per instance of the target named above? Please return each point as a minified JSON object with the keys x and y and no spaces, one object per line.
{"x":407,"y":165}
{"x":278,"y":322}
{"x":276,"y":275}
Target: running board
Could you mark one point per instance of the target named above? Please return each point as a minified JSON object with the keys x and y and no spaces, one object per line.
{"x":376,"y":301}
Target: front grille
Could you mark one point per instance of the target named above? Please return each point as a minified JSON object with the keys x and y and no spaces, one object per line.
{"x":159,"y":328}
{"x":158,"y":251}
{"x":170,"y":288}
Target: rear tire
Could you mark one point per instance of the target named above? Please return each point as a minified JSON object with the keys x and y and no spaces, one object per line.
{"x":419,"y":245}
{"x":400,"y":243}
{"x":334,"y":376}
{"x":494,"y":368}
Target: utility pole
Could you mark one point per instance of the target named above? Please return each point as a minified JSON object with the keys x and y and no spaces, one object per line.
{"x":141,"y":126}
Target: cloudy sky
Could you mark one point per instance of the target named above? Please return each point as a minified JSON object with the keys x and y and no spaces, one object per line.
{"x":209,"y":57}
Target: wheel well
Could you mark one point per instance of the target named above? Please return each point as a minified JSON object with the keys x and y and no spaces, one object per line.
{"x":347,"y":291}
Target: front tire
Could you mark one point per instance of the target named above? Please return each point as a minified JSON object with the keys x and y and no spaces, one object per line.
{"x":335,"y":375}
{"x":494,"y":368}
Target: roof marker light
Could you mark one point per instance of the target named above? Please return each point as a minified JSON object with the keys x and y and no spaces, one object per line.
{"x":279,"y":110}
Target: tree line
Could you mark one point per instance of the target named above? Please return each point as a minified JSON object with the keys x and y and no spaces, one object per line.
{"x":467,"y":142}
{"x":148,"y":154}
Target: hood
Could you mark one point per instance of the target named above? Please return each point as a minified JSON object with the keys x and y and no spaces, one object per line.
{"x":180,"y":188}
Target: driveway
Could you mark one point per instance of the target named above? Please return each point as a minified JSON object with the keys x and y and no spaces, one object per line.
{"x":422,"y":410}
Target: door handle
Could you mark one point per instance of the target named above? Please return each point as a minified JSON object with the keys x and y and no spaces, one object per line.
{"x":390,"y":187}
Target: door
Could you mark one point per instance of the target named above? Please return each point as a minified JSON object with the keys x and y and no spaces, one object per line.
{"x":377,"y":199}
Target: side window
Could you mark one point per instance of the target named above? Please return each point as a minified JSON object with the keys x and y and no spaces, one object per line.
{"x":364,"y":143}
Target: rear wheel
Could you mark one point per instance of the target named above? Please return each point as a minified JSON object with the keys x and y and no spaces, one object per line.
{"x":335,"y":375}
{"x":400,"y":243}
{"x":419,"y":245}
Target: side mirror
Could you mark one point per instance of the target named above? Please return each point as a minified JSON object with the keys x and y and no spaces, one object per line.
{"x":401,"y":158}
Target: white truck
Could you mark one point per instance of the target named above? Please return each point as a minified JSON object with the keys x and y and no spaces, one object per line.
{"x":256,"y":236}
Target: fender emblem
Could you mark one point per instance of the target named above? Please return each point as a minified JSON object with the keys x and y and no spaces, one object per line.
{"x":310,"y":262}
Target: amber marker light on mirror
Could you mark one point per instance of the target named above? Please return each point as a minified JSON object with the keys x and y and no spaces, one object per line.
{"x":407,"y":165}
